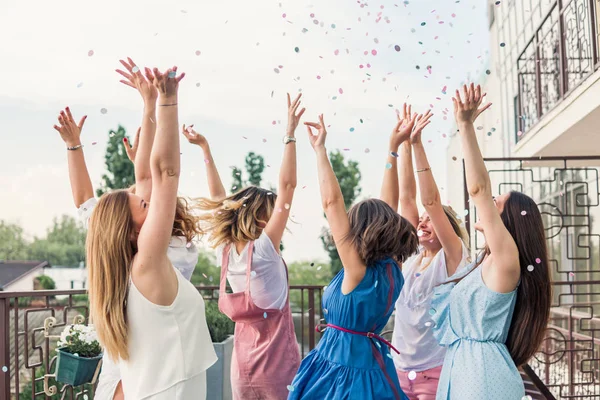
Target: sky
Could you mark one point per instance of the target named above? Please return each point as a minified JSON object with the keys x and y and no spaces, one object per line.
{"x":355,"y":62}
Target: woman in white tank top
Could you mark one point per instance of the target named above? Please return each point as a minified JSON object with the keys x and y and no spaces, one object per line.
{"x":443,"y":249}
{"x":148,"y":316}
{"x":182,"y":252}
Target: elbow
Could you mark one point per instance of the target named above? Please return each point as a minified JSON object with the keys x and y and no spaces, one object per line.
{"x":330,"y":202}
{"x":430,"y":202}
{"x":166,"y":169}
{"x":479,"y":189}
{"x":288,"y":185}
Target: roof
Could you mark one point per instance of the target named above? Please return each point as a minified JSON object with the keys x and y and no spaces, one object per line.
{"x":11,"y":271}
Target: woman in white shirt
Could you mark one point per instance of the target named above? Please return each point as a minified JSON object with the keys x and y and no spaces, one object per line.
{"x":246,"y":229}
{"x":443,"y":250}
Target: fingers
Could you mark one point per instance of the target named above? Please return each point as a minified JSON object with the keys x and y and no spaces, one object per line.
{"x":322,"y":121}
{"x":398,"y":125}
{"x":458,"y":99}
{"x":301,"y":112}
{"x":81,"y":122}
{"x":180,"y":77}
{"x":69,"y":115}
{"x":481,"y":110}
{"x":127,"y":66}
{"x":58,"y":128}
{"x":148,"y":73}
{"x":313,"y":124}
{"x":128,"y":83}
{"x":288,"y":100}
{"x":125,"y":74}
{"x":137,"y":137}
{"x":310,"y":134}
{"x":404,"y":108}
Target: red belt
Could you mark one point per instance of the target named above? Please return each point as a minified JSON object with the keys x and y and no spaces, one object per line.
{"x":370,"y":335}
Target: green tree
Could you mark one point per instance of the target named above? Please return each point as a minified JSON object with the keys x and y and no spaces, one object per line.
{"x":64,"y":243}
{"x":206,"y":272}
{"x":13,"y":245}
{"x":255,"y":166}
{"x":348,"y":175}
{"x":120,"y":173}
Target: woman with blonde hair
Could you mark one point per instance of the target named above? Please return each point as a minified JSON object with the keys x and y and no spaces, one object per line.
{"x":182,"y":252}
{"x":246,"y":229}
{"x":149,"y":318}
{"x":443,"y":250}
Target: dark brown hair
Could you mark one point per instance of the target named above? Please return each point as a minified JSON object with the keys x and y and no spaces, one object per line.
{"x":240,"y":217}
{"x":534,"y":293}
{"x":378,"y":232}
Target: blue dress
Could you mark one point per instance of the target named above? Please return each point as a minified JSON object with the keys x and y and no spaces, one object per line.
{"x":346,"y":365}
{"x":473,"y":322}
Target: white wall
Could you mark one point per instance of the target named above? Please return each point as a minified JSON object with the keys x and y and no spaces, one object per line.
{"x":25,"y":284}
{"x":63,"y":277}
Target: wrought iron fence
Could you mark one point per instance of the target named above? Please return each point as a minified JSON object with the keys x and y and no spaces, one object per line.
{"x":26,"y":355}
{"x":567,"y":190}
{"x":561,"y":54}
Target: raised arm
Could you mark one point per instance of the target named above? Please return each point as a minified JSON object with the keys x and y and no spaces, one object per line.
{"x":335,"y":210}
{"x":155,"y":234}
{"x":505,"y":256}
{"x":70,"y":132}
{"x":145,"y":140}
{"x":287,"y":176}
{"x":430,"y":197}
{"x":215,"y":185}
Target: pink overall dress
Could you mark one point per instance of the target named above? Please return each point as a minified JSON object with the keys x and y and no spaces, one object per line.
{"x":265,"y":353}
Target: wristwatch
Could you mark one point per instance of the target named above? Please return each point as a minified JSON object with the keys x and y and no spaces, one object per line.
{"x":288,"y":139}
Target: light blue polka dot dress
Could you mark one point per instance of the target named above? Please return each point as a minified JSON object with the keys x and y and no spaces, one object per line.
{"x":472,"y":321}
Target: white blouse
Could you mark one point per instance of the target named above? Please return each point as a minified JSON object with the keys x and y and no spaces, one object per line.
{"x":413,"y":335}
{"x":268,"y":279}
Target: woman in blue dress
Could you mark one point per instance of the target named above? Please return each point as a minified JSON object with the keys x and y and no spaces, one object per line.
{"x":493,"y":316}
{"x":352,"y":361}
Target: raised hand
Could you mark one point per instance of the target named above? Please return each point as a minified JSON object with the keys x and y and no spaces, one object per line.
{"x":70,"y":132}
{"x":135,"y":79}
{"x":469,"y":110}
{"x":317,"y":141}
{"x":404,"y":126}
{"x":167,"y":83}
{"x":131,"y":150}
{"x":293,"y":118}
{"x":422,"y":121}
{"x":194,"y":137}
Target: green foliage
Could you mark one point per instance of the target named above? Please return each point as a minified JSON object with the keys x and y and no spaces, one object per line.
{"x":348,"y":175}
{"x":63,"y":245}
{"x":81,"y":340}
{"x":206,"y":265}
{"x":13,"y":245}
{"x":307,"y":273}
{"x":255,"y":166}
{"x":219,"y":325}
{"x":26,"y":391}
{"x":46,"y":282}
{"x":121,"y":173}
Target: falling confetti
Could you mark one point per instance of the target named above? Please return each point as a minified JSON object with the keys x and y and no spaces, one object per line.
{"x":276,"y":70}
{"x":423,"y":23}
{"x":487,"y":71}
{"x":530,"y":268}
{"x":297,"y":49}
{"x":419,"y":233}
{"x":287,"y":206}
{"x":253,"y":274}
{"x":94,"y":143}
{"x":523,"y":212}
{"x":538,"y":260}
{"x":431,"y":311}
{"x":90,"y":53}
{"x":4,"y":369}
{"x":80,"y":84}
{"x":388,"y":166}
{"x":290,"y":388}
{"x":198,"y":84}
{"x":351,"y":129}
{"x":526,"y":397}
{"x":198,"y":52}
{"x":397,"y":48}
{"x":103,"y":111}
{"x":172,"y":74}
{"x":135,"y":69}
{"x":412,"y":375}
{"x":265,"y":315}
{"x":367,"y":150}
{"x":502,"y":44}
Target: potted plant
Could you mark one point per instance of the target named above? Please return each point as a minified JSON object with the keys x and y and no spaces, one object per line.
{"x":218,"y":376}
{"x":78,"y":355}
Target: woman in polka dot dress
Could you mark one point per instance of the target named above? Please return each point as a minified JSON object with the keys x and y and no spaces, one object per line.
{"x":492,"y":316}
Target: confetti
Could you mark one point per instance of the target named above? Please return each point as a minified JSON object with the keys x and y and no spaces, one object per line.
{"x":397,"y":48}
{"x":419,"y":233}
{"x":520,"y":133}
{"x":341,"y":91}
{"x":418,"y":274}
{"x":94,"y":143}
{"x":527,"y":397}
{"x":374,"y":52}
{"x":80,"y":84}
{"x":498,"y":3}
{"x":286,"y":206}
{"x":198,"y":52}
{"x":428,"y":324}
{"x":297,"y":49}
{"x":265,"y":315}
{"x":283,"y":15}
{"x":4,"y":369}
{"x":423,"y":23}
{"x":571,"y":274}
{"x":90,"y":53}
{"x":376,"y":282}
{"x":253,"y":274}
{"x":432,"y":311}
{"x":188,"y":245}
{"x":394,"y":154}
{"x":276,"y":70}
{"x":538,"y":261}
{"x":502,"y":44}
{"x":367,"y":150}
{"x":489,"y":133}
{"x":325,"y":311}
{"x":487,"y":71}
{"x":388,"y":166}
{"x":530,"y":268}
{"x":412,"y":375}
{"x":351,"y":129}
{"x":135,"y":69}
{"x":523,"y":212}
{"x":198,"y":84}
{"x":172,"y":74}
{"x":206,"y":161}
{"x":103,"y":111}
{"x":319,"y":268}
{"x":312,"y":264}
{"x":290,"y":388}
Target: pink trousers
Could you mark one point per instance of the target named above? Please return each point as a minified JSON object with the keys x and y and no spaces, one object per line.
{"x":423,"y":387}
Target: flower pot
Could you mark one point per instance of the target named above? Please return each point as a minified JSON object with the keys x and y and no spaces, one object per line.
{"x":75,"y":370}
{"x":218,"y":376}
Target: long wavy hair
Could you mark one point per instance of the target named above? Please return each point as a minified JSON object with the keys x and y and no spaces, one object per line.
{"x":240,"y":217}
{"x":523,"y":220}
{"x":186,"y":224}
{"x":110,"y":248}
{"x":456,"y":225}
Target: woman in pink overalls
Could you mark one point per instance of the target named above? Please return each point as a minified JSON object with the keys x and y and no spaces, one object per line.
{"x":246,"y":229}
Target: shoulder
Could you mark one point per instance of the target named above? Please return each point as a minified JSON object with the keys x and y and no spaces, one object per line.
{"x":85,"y":210}
{"x":264,"y":247}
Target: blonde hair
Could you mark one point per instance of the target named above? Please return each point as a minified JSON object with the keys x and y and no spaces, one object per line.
{"x":240,"y":217}
{"x":186,"y":223}
{"x":456,"y":225}
{"x":110,"y":247}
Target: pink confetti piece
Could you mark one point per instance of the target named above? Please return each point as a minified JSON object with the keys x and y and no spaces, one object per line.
{"x":94,"y":143}
{"x":336,"y":52}
{"x":90,"y":53}
{"x":374,"y":52}
{"x":537,"y":260}
{"x":283,"y":15}
{"x":341,"y":91}
{"x":198,"y":52}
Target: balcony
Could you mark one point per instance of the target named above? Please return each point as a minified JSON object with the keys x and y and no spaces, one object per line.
{"x":559,"y":82}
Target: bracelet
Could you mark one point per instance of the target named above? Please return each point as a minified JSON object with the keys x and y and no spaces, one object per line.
{"x":79,"y":146}
{"x":167,"y":105}
{"x":424,"y":169}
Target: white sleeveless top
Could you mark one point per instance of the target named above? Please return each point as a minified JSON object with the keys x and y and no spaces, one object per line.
{"x":167,"y":344}
{"x":413,"y":335}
